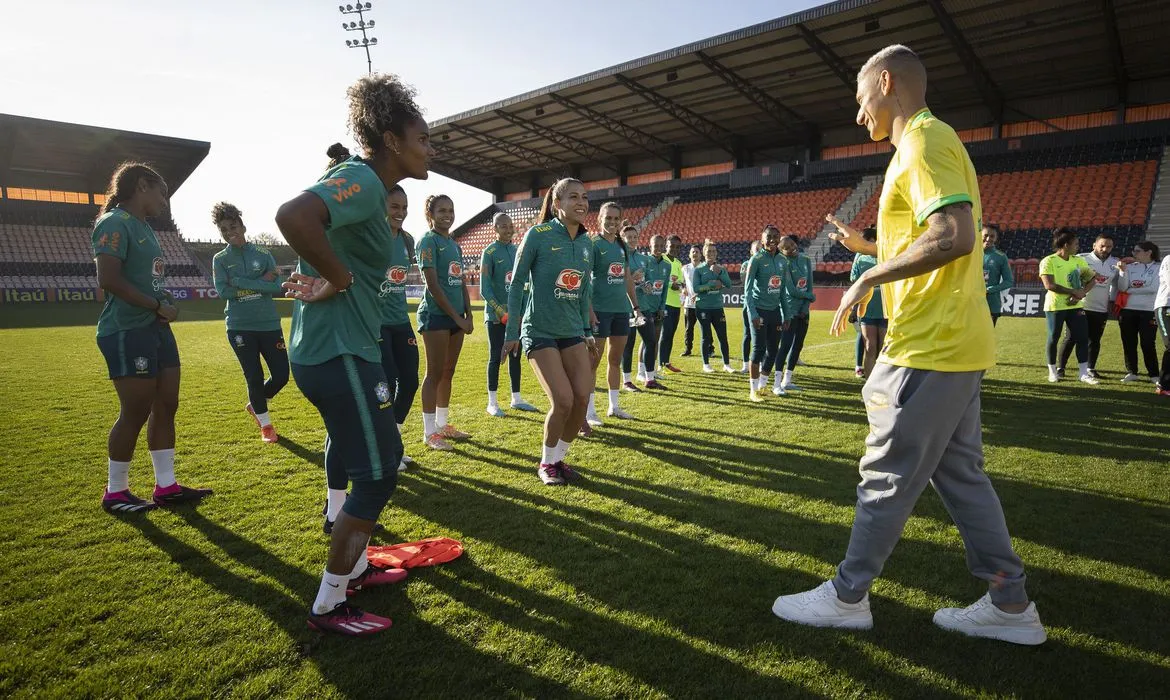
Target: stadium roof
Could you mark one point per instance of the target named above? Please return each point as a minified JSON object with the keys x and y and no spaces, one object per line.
{"x":39,"y":153}
{"x":785,"y":82}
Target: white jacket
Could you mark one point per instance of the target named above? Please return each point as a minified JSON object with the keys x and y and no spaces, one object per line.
{"x":1105,"y":290}
{"x":688,"y":294}
{"x":1163,"y":299}
{"x":1140,"y":280}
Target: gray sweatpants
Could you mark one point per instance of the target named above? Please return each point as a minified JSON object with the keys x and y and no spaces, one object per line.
{"x":924,"y":427}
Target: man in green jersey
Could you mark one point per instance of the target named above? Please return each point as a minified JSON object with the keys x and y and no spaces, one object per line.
{"x":245,"y":276}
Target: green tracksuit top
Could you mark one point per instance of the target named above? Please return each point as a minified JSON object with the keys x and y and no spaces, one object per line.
{"x":239,"y":274}
{"x":652,"y":292}
{"x":557,"y":269}
{"x":495,"y":279}
{"x":873,"y":311}
{"x":392,"y":292}
{"x":997,"y":276}
{"x":703,"y":278}
{"x":799,"y":285}
{"x":609,"y":277}
{"x":130,"y":239}
{"x":763,"y":288}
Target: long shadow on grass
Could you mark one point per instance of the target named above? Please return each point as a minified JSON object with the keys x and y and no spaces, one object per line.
{"x":707,"y":590}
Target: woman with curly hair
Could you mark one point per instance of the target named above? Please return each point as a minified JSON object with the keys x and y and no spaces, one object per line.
{"x":339,"y":228}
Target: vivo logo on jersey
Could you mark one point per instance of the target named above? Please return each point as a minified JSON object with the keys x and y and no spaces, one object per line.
{"x":568,"y":282}
{"x":396,"y":274}
{"x":344,"y":191}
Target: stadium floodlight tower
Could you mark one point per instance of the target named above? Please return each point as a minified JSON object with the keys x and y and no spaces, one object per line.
{"x":361,"y":25}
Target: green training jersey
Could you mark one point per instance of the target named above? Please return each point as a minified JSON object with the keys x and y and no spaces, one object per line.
{"x":799,"y":285}
{"x":704,"y":279}
{"x":131,"y":240}
{"x":392,"y":292}
{"x":763,"y":289}
{"x":609,"y":277}
{"x":239,"y":279}
{"x":445,"y":257}
{"x":652,"y":294}
{"x":873,"y":311}
{"x":495,"y":279}
{"x":347,"y":323}
{"x":558,"y":270}
{"x":997,"y":277}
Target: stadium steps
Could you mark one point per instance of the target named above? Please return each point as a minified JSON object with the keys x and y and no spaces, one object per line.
{"x":656,"y":212}
{"x":1158,"y":230}
{"x":846,"y":212}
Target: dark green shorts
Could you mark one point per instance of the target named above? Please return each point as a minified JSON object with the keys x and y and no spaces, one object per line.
{"x":436,"y":322}
{"x":531,"y":345}
{"x":140,"y":352}
{"x":356,"y":403}
{"x":615,"y":324}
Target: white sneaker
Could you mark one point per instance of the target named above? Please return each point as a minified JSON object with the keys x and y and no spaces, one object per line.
{"x":495,"y":411}
{"x":983,"y":619}
{"x":641,"y":378}
{"x":1053,"y":377}
{"x":707,"y":369}
{"x":1089,"y":379}
{"x":730,"y":370}
{"x":618,"y":413}
{"x":1130,"y":378}
{"x":779,"y":391}
{"x":407,"y":460}
{"x":657,"y":375}
{"x":789,"y":386}
{"x":821,"y":607}
{"x":594,"y":420}
{"x":402,"y":465}
{"x":800,"y":363}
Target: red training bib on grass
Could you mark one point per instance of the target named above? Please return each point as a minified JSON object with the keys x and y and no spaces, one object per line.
{"x":409,"y":555}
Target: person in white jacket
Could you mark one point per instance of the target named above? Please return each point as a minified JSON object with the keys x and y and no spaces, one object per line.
{"x":1162,"y":317}
{"x":1139,"y":280}
{"x":1097,"y":302}
{"x":690,"y":315}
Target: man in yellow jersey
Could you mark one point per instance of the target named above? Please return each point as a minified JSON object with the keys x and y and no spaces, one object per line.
{"x":922,"y":397}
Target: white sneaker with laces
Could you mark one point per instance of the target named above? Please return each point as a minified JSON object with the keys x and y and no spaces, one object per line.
{"x":1053,"y":376}
{"x":730,"y":370}
{"x":983,"y":619}
{"x":789,"y":386}
{"x":1130,"y":378}
{"x":779,"y":391}
{"x":618,"y":413}
{"x":707,"y":369}
{"x":594,"y":420}
{"x":821,"y":607}
{"x":1089,"y":379}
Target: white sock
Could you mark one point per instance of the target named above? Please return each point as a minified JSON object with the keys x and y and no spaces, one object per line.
{"x":331,"y":593}
{"x":164,"y":467}
{"x":613,"y":398}
{"x":626,"y":377}
{"x":562,"y":449}
{"x":744,"y":368}
{"x":119,"y":479}
{"x":493,"y":402}
{"x":592,"y":406}
{"x":1084,"y":368}
{"x":548,"y":455}
{"x":516,"y":398}
{"x":429,"y":428}
{"x":361,"y":564}
{"x":787,"y":376}
{"x":642,"y":369}
{"x":263,"y":419}
{"x":335,"y":499}
{"x":1052,"y":369}
{"x":780,"y":378}
{"x":441,"y":416}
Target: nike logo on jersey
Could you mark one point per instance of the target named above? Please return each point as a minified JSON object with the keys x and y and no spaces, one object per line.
{"x":550,"y":248}
{"x":141,"y":240}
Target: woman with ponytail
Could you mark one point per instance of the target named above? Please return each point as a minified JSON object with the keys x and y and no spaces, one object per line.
{"x":613,"y":300}
{"x":339,"y":228}
{"x":134,"y":335}
{"x":444,"y":319}
{"x":555,"y":331}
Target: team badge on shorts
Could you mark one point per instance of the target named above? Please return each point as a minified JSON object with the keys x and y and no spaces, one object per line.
{"x":141,"y":363}
{"x":382,"y":391}
{"x":239,"y":341}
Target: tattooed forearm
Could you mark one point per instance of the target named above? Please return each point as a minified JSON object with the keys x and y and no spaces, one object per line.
{"x":950,"y":235}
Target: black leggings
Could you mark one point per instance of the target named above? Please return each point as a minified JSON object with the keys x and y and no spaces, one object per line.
{"x":1139,"y":326}
{"x":707,"y":319}
{"x":400,"y":363}
{"x":249,"y":347}
{"x":1162,"y":318}
{"x":1078,"y":330}
{"x":1095,"y":321}
{"x":649,"y":333}
{"x":495,"y":349}
{"x":747,"y":336}
{"x":766,"y":339}
{"x":792,"y":342}
{"x":690,"y":316}
{"x":666,"y":338}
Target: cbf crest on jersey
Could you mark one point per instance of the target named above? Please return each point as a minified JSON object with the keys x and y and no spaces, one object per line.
{"x":382,"y":391}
